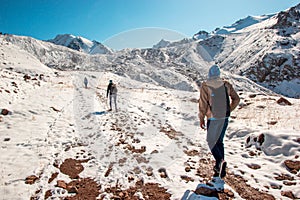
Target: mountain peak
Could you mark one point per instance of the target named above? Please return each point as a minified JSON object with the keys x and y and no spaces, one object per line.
{"x":242,"y":23}
{"x":81,"y":44}
{"x":161,"y":44}
{"x":288,"y":21}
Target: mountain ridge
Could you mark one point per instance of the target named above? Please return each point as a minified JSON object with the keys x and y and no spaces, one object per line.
{"x":80,"y":44}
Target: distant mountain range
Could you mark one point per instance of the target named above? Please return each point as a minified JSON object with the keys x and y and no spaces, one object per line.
{"x":263,"y":51}
{"x":93,"y":47}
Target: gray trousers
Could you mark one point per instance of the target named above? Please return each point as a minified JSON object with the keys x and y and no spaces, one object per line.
{"x":113,"y":100}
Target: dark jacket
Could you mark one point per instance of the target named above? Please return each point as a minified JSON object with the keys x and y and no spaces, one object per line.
{"x":108,"y":91}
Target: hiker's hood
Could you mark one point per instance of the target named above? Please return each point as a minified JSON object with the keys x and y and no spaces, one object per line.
{"x":215,"y":83}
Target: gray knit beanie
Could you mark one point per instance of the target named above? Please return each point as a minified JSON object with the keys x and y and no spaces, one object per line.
{"x":214,"y":72}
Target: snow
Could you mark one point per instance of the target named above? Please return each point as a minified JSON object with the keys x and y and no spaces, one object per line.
{"x":80,"y":44}
{"x":290,"y":88}
{"x":53,"y":117}
{"x":39,"y":136}
{"x":242,"y":24}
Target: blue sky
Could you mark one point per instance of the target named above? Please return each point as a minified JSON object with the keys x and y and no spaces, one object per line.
{"x":103,"y":20}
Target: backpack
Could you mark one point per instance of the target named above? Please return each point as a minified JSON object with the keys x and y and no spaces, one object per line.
{"x":220,"y":104}
{"x":113,"y":89}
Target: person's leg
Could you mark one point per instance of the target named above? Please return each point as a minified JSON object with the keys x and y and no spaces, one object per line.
{"x":216,"y":132}
{"x":110,"y":102}
{"x":115,"y":101}
{"x":223,"y":163}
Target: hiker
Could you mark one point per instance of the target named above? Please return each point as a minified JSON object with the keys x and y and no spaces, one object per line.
{"x":85,"y":81}
{"x":112,"y":92}
{"x":217,"y":100}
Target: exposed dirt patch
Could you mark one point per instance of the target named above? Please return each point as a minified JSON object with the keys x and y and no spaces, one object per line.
{"x":85,"y":188}
{"x":245,"y":190}
{"x":72,"y":167}
{"x":170,"y":132}
{"x":148,"y":191}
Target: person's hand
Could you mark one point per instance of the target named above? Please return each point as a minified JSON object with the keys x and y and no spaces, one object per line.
{"x":202,"y":124}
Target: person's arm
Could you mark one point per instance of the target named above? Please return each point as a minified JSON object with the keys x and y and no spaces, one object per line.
{"x":235,"y":99}
{"x":203,"y":105}
{"x":108,"y":89}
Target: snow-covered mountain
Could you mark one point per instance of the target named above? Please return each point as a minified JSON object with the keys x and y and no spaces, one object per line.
{"x":263,"y":53}
{"x":288,"y":21}
{"x":201,"y":35}
{"x":164,"y":43}
{"x":241,"y":24}
{"x":235,"y":27}
{"x":81,"y":44}
{"x":161,"y":44}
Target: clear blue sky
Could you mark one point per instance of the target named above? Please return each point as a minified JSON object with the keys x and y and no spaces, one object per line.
{"x":103,"y":19}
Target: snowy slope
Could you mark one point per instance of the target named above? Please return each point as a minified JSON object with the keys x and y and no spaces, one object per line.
{"x":178,"y":67}
{"x":80,"y":44}
{"x":235,"y":27}
{"x":241,"y":24}
{"x":156,"y":129}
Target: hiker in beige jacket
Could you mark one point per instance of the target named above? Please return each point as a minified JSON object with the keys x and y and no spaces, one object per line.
{"x":217,"y":99}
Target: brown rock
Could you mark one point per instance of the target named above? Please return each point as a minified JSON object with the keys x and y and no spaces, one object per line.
{"x":252,"y":153}
{"x":276,"y":187}
{"x":187,"y":168}
{"x":272,"y":122}
{"x":252,"y":95}
{"x":207,"y":192}
{"x":149,"y":173}
{"x":261,"y":139}
{"x":154,"y":151}
{"x":53,"y":177}
{"x":254,"y":166}
{"x":26,"y":77}
{"x":229,"y":193}
{"x":163,"y":173}
{"x":72,"y":189}
{"x":283,"y":101}
{"x":292,"y":165}
{"x":186,"y":178}
{"x":289,"y":183}
{"x":31,"y":179}
{"x":61,"y":184}
{"x":288,"y":194}
{"x":48,"y":194}
{"x":284,"y":177}
{"x":5,"y":111}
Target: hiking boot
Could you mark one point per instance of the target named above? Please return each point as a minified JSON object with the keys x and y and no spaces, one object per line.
{"x":223,"y":169}
{"x":216,"y":172}
{"x":217,"y":183}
